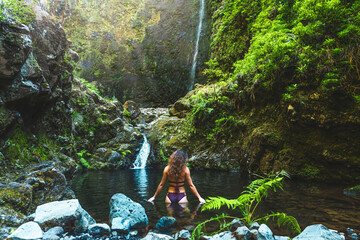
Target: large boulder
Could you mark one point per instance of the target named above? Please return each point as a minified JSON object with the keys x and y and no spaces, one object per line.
{"x":28,"y":231}
{"x":318,"y":232}
{"x":165,"y":222}
{"x":16,"y":195}
{"x":68,"y":214}
{"x":122,"y":206}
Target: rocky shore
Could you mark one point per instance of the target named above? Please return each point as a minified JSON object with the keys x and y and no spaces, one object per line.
{"x":67,"y":220}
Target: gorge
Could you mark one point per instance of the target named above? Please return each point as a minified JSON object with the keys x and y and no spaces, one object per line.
{"x":245,"y":87}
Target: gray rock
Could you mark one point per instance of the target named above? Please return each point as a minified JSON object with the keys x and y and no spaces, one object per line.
{"x":318,"y":232}
{"x":120,"y":225}
{"x":122,"y":206}
{"x":183,"y":235}
{"x":157,"y":236}
{"x":115,"y":157}
{"x":68,"y":214}
{"x":222,"y":236}
{"x":53,"y":233}
{"x":255,"y":225}
{"x":27,"y":231}
{"x":265,"y":233}
{"x":254,"y":233}
{"x":99,"y":229}
{"x":281,"y":238}
{"x":165,"y":222}
{"x":235,"y":224}
{"x":243,"y":233}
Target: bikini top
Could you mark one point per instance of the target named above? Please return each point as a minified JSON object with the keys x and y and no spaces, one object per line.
{"x":171,"y":184}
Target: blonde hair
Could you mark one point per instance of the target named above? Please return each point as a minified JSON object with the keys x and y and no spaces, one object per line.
{"x":177,"y":163}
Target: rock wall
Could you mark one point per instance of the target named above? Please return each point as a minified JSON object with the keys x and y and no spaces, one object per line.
{"x":140,"y":50}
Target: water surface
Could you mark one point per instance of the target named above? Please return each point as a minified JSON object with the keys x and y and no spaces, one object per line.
{"x":309,"y":203}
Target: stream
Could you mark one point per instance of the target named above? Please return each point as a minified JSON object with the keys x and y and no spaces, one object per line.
{"x":309,"y":203}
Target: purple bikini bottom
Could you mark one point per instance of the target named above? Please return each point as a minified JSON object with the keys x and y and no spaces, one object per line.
{"x":175,"y":197}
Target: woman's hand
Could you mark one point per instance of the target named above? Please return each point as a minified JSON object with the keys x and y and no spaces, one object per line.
{"x":201,"y":200}
{"x":151,"y":199}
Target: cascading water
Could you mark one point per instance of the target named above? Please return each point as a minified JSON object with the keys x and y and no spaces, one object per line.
{"x":193,"y":68}
{"x":143,"y":155}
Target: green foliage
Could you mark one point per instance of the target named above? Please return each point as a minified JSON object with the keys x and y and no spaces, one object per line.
{"x":90,"y":86}
{"x":82,"y":154}
{"x":312,"y":42}
{"x":309,"y":171}
{"x":24,"y":148}
{"x":247,"y":203}
{"x":126,"y":113}
{"x":123,"y":153}
{"x":16,"y":10}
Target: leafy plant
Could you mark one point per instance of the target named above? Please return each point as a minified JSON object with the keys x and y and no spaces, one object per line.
{"x":16,"y":10}
{"x":247,"y":203}
{"x":82,"y":159}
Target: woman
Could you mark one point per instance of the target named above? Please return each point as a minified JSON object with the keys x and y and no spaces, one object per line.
{"x":177,"y":173}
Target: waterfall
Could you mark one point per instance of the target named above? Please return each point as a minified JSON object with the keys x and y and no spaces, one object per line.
{"x":201,"y":17}
{"x":143,"y":155}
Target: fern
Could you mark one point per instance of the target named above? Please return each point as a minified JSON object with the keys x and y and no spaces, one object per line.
{"x":247,"y":203}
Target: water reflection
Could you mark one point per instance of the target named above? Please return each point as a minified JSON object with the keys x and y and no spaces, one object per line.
{"x":141,"y":182}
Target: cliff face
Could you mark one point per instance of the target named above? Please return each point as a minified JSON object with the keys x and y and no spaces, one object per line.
{"x":283,"y":91}
{"x":140,"y":50}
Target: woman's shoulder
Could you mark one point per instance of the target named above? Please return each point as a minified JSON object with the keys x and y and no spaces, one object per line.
{"x":166,"y":169}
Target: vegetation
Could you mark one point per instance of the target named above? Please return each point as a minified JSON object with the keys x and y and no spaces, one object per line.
{"x":15,"y":10}
{"x":247,"y":203}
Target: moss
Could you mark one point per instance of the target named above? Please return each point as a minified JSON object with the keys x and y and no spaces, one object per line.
{"x":309,"y":172}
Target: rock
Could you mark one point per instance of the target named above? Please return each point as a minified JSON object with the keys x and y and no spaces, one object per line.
{"x":27,"y":231}
{"x":18,"y":195}
{"x":254,"y":233}
{"x":132,"y":108}
{"x":157,"y":236}
{"x":53,"y":233}
{"x":183,"y":235}
{"x":165,"y":223}
{"x":319,"y":232}
{"x":115,"y":157}
{"x":120,"y":225}
{"x":68,"y":214}
{"x":99,"y":229}
{"x":222,"y":236}
{"x":255,"y":225}
{"x":235,"y":224}
{"x":265,"y":233}
{"x":9,"y":217}
{"x":122,"y":206}
{"x":243,"y":233}
{"x":48,"y":184}
{"x":282,"y":238}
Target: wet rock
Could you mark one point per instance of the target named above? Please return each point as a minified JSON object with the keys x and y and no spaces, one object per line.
{"x":115,"y":157}
{"x":353,"y":191}
{"x":243,"y":233}
{"x":165,"y":223}
{"x":48,"y":184}
{"x":122,"y":206}
{"x":157,"y":236}
{"x":132,"y":108}
{"x":265,"y":233}
{"x":120,"y":225}
{"x":27,"y":231}
{"x":255,"y":225}
{"x":9,"y":217}
{"x":235,"y":224}
{"x":317,"y":231}
{"x":222,"y":236}
{"x":254,"y":233}
{"x":17,"y":195}
{"x":282,"y":238}
{"x":68,"y":214}
{"x":183,"y":235}
{"x":99,"y":229}
{"x":53,"y":233}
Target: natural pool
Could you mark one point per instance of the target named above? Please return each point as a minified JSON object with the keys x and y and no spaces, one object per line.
{"x":309,"y":203}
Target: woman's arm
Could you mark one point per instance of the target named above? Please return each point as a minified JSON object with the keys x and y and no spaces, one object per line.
{"x":161,"y":185}
{"x":192,"y":186}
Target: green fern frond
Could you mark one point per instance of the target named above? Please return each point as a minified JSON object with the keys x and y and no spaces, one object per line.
{"x":218,"y":202}
{"x":282,"y":220}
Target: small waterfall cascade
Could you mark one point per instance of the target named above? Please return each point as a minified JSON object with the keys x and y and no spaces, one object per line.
{"x":141,"y":158}
{"x":193,"y":68}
